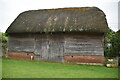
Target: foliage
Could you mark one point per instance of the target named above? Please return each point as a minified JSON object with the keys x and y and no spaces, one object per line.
{"x":4,"y":39}
{"x":31,"y":69}
{"x":109,"y":36}
{"x":116,"y":43}
{"x":112,"y":44}
{"x":108,"y":45}
{"x":3,"y":43}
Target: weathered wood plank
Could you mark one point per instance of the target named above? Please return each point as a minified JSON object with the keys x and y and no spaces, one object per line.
{"x":52,"y":47}
{"x":56,"y":47}
{"x":83,"y":44}
{"x":24,"y":43}
{"x":41,"y":47}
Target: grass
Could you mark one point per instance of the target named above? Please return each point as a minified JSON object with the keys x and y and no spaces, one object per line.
{"x":31,"y":69}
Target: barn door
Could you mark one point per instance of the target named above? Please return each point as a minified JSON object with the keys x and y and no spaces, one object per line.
{"x":41,"y":47}
{"x":49,"y":48}
{"x":55,"y":48}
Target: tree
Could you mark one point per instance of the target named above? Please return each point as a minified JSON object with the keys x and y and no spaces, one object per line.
{"x":3,"y":42}
{"x":108,"y":45}
{"x":116,"y":43}
{"x":4,"y":39}
{"x":112,"y":44}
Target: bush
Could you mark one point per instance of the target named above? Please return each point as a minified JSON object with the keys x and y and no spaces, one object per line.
{"x":108,"y":44}
{"x":4,"y":41}
{"x":116,"y":43}
{"x":112,"y":44}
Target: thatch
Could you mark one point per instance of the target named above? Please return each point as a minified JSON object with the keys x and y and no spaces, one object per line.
{"x":85,"y":19}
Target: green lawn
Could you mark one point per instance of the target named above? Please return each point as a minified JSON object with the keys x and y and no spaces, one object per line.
{"x":31,"y":69}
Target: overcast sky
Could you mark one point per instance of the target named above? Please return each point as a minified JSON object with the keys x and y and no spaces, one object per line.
{"x":10,"y":9}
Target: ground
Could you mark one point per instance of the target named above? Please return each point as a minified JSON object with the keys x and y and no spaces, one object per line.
{"x":32,"y":69}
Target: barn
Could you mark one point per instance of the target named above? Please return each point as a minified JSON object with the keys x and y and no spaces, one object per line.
{"x":72,"y":35}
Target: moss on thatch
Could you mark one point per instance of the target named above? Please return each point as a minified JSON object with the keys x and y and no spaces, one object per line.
{"x":85,"y":19}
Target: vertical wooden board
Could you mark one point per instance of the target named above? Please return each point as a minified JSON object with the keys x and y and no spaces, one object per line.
{"x":38,"y":50}
{"x":45,"y":53}
{"x":56,"y":45}
{"x":41,"y":47}
{"x":52,"y":47}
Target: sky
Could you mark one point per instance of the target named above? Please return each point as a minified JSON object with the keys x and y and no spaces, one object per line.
{"x":119,"y":15}
{"x":10,"y":9}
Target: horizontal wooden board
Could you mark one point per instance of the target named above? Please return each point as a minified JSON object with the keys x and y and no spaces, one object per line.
{"x":83,"y":45}
{"x":52,"y":47}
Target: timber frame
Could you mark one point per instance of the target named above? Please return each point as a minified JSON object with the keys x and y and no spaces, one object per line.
{"x":59,"y":35}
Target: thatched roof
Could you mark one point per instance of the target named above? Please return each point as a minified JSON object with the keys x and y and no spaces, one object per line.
{"x":85,"y":19}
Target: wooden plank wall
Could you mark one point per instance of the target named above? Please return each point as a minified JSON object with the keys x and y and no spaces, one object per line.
{"x":56,"y":46}
{"x":21,"y":43}
{"x":41,"y":47}
{"x":77,"y":44}
{"x":49,"y":47}
{"x":53,"y":47}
